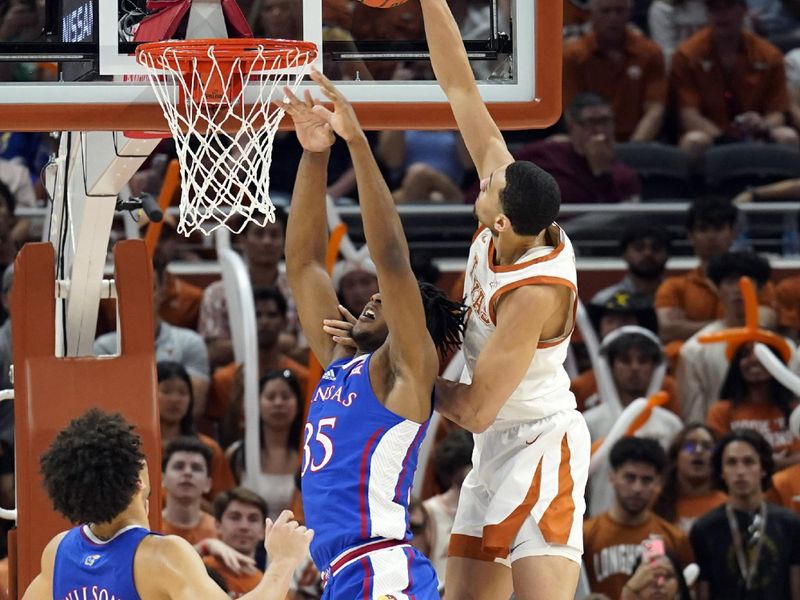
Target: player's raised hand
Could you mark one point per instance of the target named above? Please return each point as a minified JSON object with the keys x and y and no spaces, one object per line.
{"x":286,"y":539}
{"x":313,"y":132}
{"x":343,"y":119}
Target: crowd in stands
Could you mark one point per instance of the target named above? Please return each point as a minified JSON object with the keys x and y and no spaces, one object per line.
{"x":713,"y":473}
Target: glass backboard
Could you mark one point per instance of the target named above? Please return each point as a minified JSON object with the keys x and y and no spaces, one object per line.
{"x":69,"y":63}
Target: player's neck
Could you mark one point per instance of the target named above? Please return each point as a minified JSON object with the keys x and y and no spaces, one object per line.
{"x":128,"y":518}
{"x":624,"y":517}
{"x":512,"y":247}
{"x":184,"y":514}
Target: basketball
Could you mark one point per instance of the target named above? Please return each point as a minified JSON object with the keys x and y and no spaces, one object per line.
{"x":382,"y":3}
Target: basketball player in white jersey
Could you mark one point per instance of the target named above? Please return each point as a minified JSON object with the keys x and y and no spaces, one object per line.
{"x":522,"y":504}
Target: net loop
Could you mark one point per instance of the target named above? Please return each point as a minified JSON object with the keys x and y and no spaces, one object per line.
{"x":219,"y":100}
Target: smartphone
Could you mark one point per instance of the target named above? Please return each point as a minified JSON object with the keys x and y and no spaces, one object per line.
{"x":652,"y":548}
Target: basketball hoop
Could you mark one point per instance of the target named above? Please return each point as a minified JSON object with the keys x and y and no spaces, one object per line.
{"x":217,"y":97}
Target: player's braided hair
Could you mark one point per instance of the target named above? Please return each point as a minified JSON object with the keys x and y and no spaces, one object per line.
{"x":91,"y":470}
{"x":444,"y":318}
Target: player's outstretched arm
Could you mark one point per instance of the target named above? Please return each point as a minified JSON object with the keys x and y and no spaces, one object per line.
{"x":503,"y":361}
{"x":412,"y":350}
{"x":450,"y":64}
{"x":307,"y":230}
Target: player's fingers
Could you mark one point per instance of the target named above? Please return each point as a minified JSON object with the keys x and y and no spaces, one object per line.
{"x":284,"y":517}
{"x":323,"y":113}
{"x":289,"y":99}
{"x":309,"y":99}
{"x":347,"y":314}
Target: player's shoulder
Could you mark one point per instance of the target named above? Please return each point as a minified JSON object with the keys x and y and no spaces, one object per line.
{"x":160,"y":552}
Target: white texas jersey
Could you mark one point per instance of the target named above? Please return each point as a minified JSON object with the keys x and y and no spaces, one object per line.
{"x":545,"y":388}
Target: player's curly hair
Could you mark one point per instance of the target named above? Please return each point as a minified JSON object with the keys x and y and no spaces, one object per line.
{"x":444,"y":318}
{"x":91,"y":470}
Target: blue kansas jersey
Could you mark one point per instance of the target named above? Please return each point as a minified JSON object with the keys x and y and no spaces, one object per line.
{"x":86,"y":568}
{"x":358,"y":464}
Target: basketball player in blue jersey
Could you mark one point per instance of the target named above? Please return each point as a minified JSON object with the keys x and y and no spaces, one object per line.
{"x":370,"y":410}
{"x":522,"y":504}
{"x":96,"y":475}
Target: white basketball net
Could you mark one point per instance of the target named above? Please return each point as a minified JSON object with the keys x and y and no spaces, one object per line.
{"x":224,"y":147}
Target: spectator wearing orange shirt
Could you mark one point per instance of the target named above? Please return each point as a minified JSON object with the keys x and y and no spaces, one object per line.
{"x":621,"y":65}
{"x":689,"y":491}
{"x":239,"y":515}
{"x":730,"y":84}
{"x":612,"y":540}
{"x":687,"y":303}
{"x":186,"y":466}
{"x":756,"y":400}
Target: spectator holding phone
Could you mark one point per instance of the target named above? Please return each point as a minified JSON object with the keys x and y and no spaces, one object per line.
{"x":658,"y":575}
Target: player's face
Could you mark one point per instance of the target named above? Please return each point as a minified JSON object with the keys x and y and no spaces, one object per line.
{"x":174,"y":397}
{"x":278,"y":403}
{"x":370,"y":330}
{"x":636,"y":485}
{"x":241,"y":527}
{"x":487,"y":206}
{"x":694,"y":456}
{"x":741,"y":469}
{"x":186,"y":476}
{"x":144,"y":482}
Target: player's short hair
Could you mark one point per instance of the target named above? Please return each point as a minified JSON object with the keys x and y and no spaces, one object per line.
{"x":189,"y":444}
{"x":638,"y":450}
{"x":762,"y":447}
{"x":240,"y":494}
{"x":454,"y":452}
{"x":444,"y":318}
{"x":91,"y":469}
{"x":531,"y":198}
{"x":711,"y":211}
{"x":271,"y":293}
{"x":739,"y":264}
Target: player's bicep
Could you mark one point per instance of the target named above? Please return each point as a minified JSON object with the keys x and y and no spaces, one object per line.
{"x":508,"y":353}
{"x":39,"y":589}
{"x":482,"y":136}
{"x":316,"y":300}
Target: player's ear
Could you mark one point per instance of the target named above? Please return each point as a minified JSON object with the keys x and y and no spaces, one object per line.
{"x":502,"y":223}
